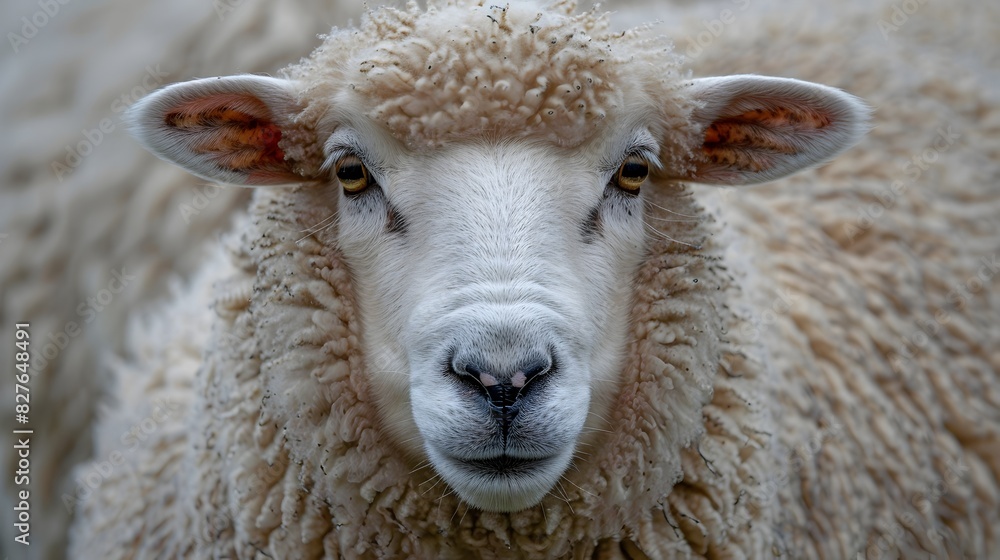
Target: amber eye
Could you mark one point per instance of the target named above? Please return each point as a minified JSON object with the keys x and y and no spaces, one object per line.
{"x":353,"y":174}
{"x":632,"y":174}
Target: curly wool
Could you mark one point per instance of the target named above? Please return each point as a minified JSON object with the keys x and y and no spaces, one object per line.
{"x":287,"y":449}
{"x":514,"y":70}
{"x":777,"y":399}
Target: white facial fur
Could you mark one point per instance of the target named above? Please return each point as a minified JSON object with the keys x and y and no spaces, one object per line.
{"x":488,"y":267}
{"x":504,"y":253}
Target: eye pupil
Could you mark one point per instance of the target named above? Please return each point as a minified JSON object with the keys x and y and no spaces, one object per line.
{"x":634,"y":170}
{"x":632,"y":174}
{"x":353,"y":174}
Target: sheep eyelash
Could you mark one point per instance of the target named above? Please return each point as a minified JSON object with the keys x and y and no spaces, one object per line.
{"x":640,"y":146}
{"x":341,"y":152}
{"x":346,"y":144}
{"x":647,"y":152}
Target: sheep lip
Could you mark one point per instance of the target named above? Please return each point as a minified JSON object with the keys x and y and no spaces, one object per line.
{"x":505,"y":465}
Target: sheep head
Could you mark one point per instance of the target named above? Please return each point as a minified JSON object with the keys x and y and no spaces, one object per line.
{"x":489,"y":166}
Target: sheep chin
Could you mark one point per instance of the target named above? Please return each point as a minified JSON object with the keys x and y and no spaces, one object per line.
{"x":497,"y":491}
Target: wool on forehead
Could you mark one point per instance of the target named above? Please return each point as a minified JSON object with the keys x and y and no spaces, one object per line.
{"x":470,"y":67}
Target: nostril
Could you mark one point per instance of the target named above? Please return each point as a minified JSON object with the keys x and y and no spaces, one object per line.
{"x":501,"y":387}
{"x":473,"y":377}
{"x":485,"y":379}
{"x":524,"y":375}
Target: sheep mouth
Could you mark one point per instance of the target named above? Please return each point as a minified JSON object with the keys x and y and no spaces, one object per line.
{"x":505,"y":466}
{"x":502,"y":483}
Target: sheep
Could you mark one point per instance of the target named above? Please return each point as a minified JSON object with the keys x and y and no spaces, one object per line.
{"x":476,"y":309}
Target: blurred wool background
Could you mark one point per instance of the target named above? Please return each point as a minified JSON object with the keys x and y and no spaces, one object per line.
{"x":93,"y":228}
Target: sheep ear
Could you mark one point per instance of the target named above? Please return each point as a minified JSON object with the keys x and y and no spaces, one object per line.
{"x":754,"y":129}
{"x":221,"y":129}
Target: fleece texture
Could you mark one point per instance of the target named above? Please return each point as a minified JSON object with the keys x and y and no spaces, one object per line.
{"x":66,"y":231}
{"x":285,"y":434}
{"x":459,"y":70}
{"x":812,"y":372}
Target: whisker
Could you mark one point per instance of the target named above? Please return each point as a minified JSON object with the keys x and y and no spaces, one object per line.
{"x":421,"y":465}
{"x":677,"y":221}
{"x":581,"y":454}
{"x":611,"y":378}
{"x":565,"y":497}
{"x":452,"y":520}
{"x":433,"y":476}
{"x":424,"y":493}
{"x":599,"y":415}
{"x":409,"y":439}
{"x":448,"y":492}
{"x":580,"y":489}
{"x":321,"y":226}
{"x":440,"y":501}
{"x":390,"y":371}
{"x":667,"y":237}
{"x":600,"y":430}
{"x":651,"y":203}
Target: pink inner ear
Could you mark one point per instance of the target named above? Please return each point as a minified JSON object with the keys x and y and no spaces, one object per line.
{"x":235,"y":131}
{"x":746,"y":142}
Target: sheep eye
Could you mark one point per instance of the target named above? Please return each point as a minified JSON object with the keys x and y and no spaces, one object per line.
{"x":353,"y":174}
{"x":632,"y":174}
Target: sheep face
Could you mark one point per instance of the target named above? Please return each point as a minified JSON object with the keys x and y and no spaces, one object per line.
{"x":493,"y":278}
{"x":492,"y":243}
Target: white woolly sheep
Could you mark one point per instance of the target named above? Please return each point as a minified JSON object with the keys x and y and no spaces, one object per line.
{"x":476,"y":310}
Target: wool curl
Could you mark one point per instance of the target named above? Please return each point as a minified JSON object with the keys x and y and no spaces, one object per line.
{"x":285,"y":453}
{"x":514,"y":70}
{"x":880,"y":443}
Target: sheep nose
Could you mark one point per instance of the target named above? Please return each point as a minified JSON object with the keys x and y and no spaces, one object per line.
{"x":502,"y":387}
